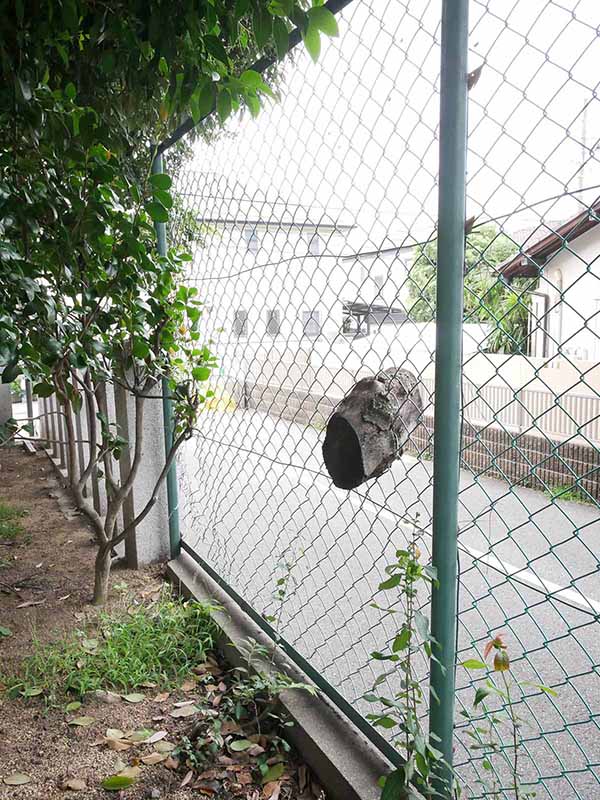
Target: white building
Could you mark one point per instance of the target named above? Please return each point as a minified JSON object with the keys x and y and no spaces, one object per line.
{"x":565,"y":315}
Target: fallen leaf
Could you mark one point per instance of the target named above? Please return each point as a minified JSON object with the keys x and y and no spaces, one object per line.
{"x":188,"y":777}
{"x":302,"y":777}
{"x":31,"y":603}
{"x":229,"y":726}
{"x":188,"y":686}
{"x":184,"y":703}
{"x":33,"y":692}
{"x":130,"y":772}
{"x":153,"y":758}
{"x":117,"y":782}
{"x":239,"y":745}
{"x":16,"y":779}
{"x":172,"y":763}
{"x":156,"y":737}
{"x":271,"y":790}
{"x":135,"y":697}
{"x":138,"y":736}
{"x":164,"y":747}
{"x":89,"y":644}
{"x":186,"y":711}
{"x":114,"y":733}
{"x":64,"y":597}
{"x":72,"y":706}
{"x":5,"y":631}
{"x":255,"y":750}
{"x":273,"y":773}
{"x":161,"y":697}
{"x":73,"y":784}
{"x":244,"y":778}
{"x":118,"y":745}
{"x":82,"y":722}
{"x":148,"y":684}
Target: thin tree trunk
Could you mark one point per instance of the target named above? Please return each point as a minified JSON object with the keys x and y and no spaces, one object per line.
{"x":102,"y":574}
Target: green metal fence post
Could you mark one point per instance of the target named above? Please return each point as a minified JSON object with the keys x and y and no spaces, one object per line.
{"x":448,"y":357}
{"x":172,"y":493}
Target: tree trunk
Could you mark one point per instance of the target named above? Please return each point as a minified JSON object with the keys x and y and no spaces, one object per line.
{"x":101,"y":574}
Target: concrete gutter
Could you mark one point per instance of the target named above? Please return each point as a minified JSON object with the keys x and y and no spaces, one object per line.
{"x":344,"y":761}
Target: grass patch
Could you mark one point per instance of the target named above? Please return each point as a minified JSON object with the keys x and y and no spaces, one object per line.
{"x":10,"y":527}
{"x":154,"y":644}
{"x":570,"y":492}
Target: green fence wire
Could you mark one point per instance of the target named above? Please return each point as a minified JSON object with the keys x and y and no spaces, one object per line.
{"x":314,"y":234}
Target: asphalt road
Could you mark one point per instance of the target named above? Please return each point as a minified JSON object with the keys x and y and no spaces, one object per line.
{"x":256,"y":496}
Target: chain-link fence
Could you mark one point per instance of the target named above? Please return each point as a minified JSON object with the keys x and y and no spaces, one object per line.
{"x":313,"y":231}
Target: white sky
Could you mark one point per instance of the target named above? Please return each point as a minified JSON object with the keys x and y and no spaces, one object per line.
{"x":355,"y":135}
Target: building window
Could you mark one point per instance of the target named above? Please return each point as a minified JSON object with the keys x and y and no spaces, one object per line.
{"x":314,"y":244}
{"x":311,"y":323}
{"x":252,"y":240}
{"x":240,"y":323}
{"x":273,"y":322}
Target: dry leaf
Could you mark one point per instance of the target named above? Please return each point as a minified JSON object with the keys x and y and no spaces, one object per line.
{"x":114,"y":733}
{"x":172,"y":763}
{"x":138,"y":736}
{"x":118,"y":745}
{"x":161,"y":697}
{"x":64,"y":597}
{"x":183,"y":703}
{"x":302,"y":777}
{"x":244,"y":778}
{"x":73,"y":785}
{"x":188,"y":777}
{"x":156,"y":737}
{"x":106,"y":696}
{"x":82,"y":722}
{"x":26,"y":605}
{"x":271,"y":790}
{"x":229,"y":726}
{"x":134,"y":697}
{"x":153,"y":758}
{"x":164,"y":747}
{"x":130,"y":772}
{"x":16,"y":779}
{"x":188,"y":686}
{"x":186,"y":711}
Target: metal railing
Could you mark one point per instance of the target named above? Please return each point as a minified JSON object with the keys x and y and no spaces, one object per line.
{"x":313,"y":234}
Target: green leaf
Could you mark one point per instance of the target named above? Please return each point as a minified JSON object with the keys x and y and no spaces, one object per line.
{"x":134,"y":697}
{"x":312,"y":41}
{"x":82,"y":722}
{"x":394,"y":785}
{"x":160,"y":180}
{"x":385,"y":722}
{"x":200,"y":373}
{"x":70,"y":91}
{"x":402,"y":640}
{"x":43,"y":389}
{"x":216,"y":49}
{"x":72,"y":706}
{"x":5,"y":631}
{"x":163,"y":67}
{"x":273,"y":773}
{"x":223,"y":104}
{"x":473,"y":663}
{"x":164,"y":198}
{"x":11,"y":371}
{"x":323,"y":20}
{"x":117,"y":782}
{"x":481,"y":694}
{"x":202,"y":101}
{"x":262,"y":25}
{"x":281,"y":36}
{"x":35,"y":691}
{"x":140,"y":348}
{"x":157,"y":211}
{"x":390,"y":583}
{"x":240,"y":745}
{"x":541,"y":687}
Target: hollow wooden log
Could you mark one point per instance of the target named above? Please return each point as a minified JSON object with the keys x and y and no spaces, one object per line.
{"x":368,"y":430}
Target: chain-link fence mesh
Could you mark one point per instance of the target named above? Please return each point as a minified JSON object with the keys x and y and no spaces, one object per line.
{"x":313,"y":232}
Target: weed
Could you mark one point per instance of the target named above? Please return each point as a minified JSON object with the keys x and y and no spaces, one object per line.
{"x":10,"y":527}
{"x":159,"y":643}
{"x":569,"y":491}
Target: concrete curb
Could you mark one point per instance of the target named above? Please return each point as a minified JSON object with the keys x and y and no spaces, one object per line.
{"x":347,"y":765}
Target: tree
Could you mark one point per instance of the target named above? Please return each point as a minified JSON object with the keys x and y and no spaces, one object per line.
{"x":488,"y":298}
{"x":86,"y":302}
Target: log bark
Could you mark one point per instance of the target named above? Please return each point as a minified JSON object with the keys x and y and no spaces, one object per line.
{"x":369,"y":428}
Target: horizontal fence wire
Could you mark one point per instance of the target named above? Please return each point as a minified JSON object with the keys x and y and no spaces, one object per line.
{"x":313,"y":235}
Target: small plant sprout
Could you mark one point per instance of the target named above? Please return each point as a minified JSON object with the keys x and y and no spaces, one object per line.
{"x":401,"y":712}
{"x":497,"y":727}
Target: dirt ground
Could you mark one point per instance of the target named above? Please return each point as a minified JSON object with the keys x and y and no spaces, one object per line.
{"x":45,"y":591}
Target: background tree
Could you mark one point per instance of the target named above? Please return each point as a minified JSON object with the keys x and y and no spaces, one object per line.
{"x":86,"y":303}
{"x":488,"y":297}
